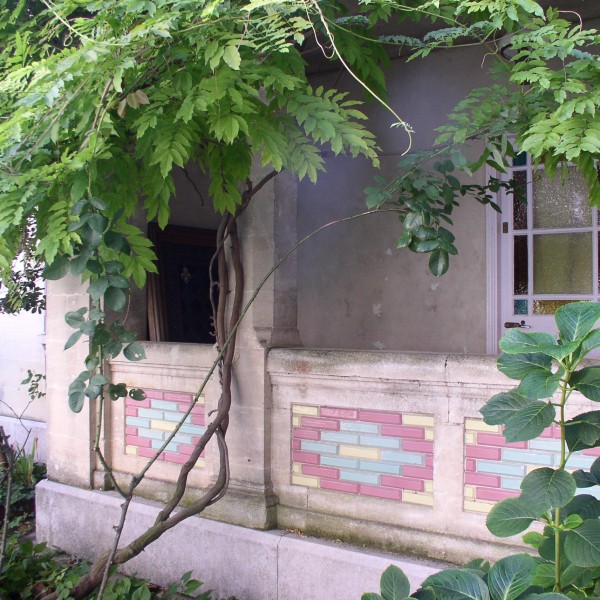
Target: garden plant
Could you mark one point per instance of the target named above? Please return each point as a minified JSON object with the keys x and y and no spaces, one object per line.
{"x":566,"y":564}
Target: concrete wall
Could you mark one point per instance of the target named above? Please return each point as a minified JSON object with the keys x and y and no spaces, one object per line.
{"x":355,"y":289}
{"x":22,"y":339}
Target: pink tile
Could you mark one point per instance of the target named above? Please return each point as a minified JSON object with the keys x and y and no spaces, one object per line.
{"x":339,"y":486}
{"x":175,"y":458}
{"x":429,"y":460}
{"x":492,"y":481}
{"x":198,"y":409}
{"x":198,"y":420}
{"x":416,"y":485}
{"x":377,"y":492}
{"x":487,"y":494}
{"x":186,"y":449}
{"x":417,"y":446}
{"x":417,"y":433}
{"x":310,"y":458}
{"x":470,"y":465}
{"x":131,"y":430}
{"x":138,"y":403}
{"x":556,"y":432}
{"x":140,"y":442}
{"x":149,"y":453}
{"x":375,"y":416}
{"x":317,"y":423}
{"x":327,"y":472}
{"x":418,"y":472}
{"x":485,"y":452}
{"x":130,"y":411}
{"x":592,"y":452}
{"x":296,"y":444}
{"x":178,"y":396}
{"x":548,"y":432}
{"x":154,"y":394}
{"x":497,"y":439}
{"x":306,"y":434}
{"x":339,"y":413}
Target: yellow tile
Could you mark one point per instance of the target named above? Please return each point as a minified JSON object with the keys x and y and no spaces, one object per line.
{"x":429,"y":434}
{"x":296,"y":421}
{"x":480,"y":507}
{"x":469,"y":491}
{"x":530,"y":468}
{"x":416,"y":498}
{"x":479,"y":425}
{"x":470,"y":438}
{"x":311,"y":411}
{"x":423,"y":420}
{"x":200,"y":400}
{"x":297,"y":468}
{"x":200,"y":464}
{"x":358,"y":452}
{"x":307,"y":481}
{"x":131,"y":450}
{"x":162,"y":425}
{"x":429,"y":486}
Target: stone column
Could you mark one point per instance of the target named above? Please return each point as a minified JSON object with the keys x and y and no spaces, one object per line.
{"x":267,"y":230}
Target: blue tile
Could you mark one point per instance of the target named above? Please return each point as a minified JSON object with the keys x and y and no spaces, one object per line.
{"x":193,"y":429}
{"x":498,"y":468}
{"x":580,"y":461}
{"x":404,"y":458}
{"x":368,"y":478}
{"x":163,"y":405}
{"x":171,"y":446}
{"x":339,"y":436}
{"x":359,"y":427}
{"x":308,"y":446}
{"x":511,"y":483}
{"x":137,"y":422}
{"x":151,"y":433}
{"x":335,"y":461}
{"x":527,"y":457}
{"x":379,"y":442}
{"x":176,"y":417}
{"x":182,"y":438}
{"x":150,"y":414}
{"x":545,"y":444}
{"x":380,"y":467}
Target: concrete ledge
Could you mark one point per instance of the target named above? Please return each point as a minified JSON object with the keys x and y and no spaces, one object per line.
{"x":232,"y":560}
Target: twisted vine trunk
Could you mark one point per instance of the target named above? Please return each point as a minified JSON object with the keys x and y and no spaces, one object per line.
{"x":226,"y":260}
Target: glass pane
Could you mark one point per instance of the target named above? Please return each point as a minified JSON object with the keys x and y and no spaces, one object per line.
{"x":562,"y":263}
{"x":520,"y":307}
{"x":520,"y":160}
{"x":521,"y":273}
{"x":562,"y":201}
{"x":520,"y":200}
{"x":548,"y":307}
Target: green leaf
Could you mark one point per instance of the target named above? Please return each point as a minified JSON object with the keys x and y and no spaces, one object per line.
{"x":547,"y":488}
{"x":371,"y":596}
{"x":583,"y":479}
{"x":76,"y":400}
{"x":115,"y":298}
{"x":118,"y":281}
{"x":576,"y":319}
{"x":73,"y":339}
{"x":539,"y":383}
{"x":509,"y":517}
{"x":498,"y":409}
{"x":114,"y":240}
{"x":394,"y":583}
{"x":98,"y":380}
{"x":511,"y":576}
{"x":232,"y":57}
{"x":97,"y":288}
{"x":116,"y":391}
{"x":587,"y":381}
{"x":137,"y":394}
{"x":591,"y":341}
{"x":516,"y":366}
{"x":113,"y":348}
{"x":75,"y":318}
{"x":583,"y":431}
{"x":519,"y":342}
{"x":134,"y":352}
{"x":572,"y":521}
{"x":439,"y":262}
{"x":584,"y":505}
{"x":582,"y":545}
{"x":57,"y":269}
{"x":97,"y":222}
{"x":529,"y":422}
{"x":457,"y":584}
{"x":544,"y":576}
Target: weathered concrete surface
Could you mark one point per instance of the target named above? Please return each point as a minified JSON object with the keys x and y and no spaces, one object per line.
{"x":250,"y":564}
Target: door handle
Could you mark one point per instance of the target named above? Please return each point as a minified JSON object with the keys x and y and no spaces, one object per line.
{"x":515,"y":325}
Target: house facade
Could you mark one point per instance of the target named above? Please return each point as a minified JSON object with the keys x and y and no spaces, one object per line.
{"x":358,"y":379}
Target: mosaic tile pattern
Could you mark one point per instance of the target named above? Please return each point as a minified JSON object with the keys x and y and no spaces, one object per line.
{"x":374,"y":453}
{"x":149,"y":422}
{"x":494,"y":469}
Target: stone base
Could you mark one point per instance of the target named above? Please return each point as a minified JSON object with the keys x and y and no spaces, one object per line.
{"x":231,"y":560}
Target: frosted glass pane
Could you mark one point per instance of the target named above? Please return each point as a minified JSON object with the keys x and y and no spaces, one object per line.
{"x":560,"y":202}
{"x":520,"y":160}
{"x":548,"y":307}
{"x":562,"y":263}
{"x":520,"y":307}
{"x":520,"y":270}
{"x":520,"y":200}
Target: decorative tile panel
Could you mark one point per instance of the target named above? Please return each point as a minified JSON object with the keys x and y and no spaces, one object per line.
{"x":149,"y":422}
{"x":383,"y":454}
{"x":494,"y":469}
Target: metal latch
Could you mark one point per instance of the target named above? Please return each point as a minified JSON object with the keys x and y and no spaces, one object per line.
{"x":515,"y":325}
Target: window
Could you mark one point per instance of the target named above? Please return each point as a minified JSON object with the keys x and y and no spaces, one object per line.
{"x":548,"y":246}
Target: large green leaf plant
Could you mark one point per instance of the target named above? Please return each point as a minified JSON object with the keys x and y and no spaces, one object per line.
{"x":566,"y":541}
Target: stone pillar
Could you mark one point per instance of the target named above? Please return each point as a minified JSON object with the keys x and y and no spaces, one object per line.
{"x":267,"y":230}
{"x":70,"y":435}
